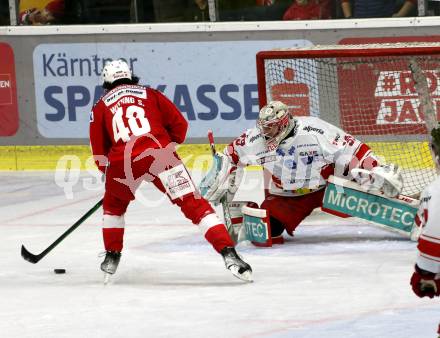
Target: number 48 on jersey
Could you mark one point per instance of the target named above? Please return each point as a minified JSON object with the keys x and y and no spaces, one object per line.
{"x":129,"y":121}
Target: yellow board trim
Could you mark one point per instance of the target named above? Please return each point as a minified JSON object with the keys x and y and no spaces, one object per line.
{"x":12,"y":158}
{"x":409,"y":155}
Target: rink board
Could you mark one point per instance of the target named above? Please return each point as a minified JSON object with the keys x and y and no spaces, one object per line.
{"x":195,"y":156}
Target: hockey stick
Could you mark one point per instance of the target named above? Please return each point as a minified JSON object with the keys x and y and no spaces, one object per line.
{"x":36,"y":258}
{"x":226,"y":212}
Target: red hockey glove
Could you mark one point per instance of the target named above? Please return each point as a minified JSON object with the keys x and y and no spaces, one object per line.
{"x":425,"y":283}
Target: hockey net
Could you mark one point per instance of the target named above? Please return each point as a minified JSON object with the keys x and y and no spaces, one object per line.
{"x":387,"y":95}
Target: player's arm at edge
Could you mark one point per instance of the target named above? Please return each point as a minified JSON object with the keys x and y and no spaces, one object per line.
{"x":173,"y":120}
{"x":100,"y":142}
{"x":425,"y":280}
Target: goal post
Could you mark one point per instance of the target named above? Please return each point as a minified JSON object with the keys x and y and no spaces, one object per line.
{"x":386,"y":95}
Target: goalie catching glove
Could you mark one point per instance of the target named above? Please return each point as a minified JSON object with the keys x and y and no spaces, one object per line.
{"x":220,"y":179}
{"x":386,"y":178}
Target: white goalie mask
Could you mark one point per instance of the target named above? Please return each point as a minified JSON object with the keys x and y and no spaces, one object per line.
{"x":274,"y":122}
{"x":116,"y":70}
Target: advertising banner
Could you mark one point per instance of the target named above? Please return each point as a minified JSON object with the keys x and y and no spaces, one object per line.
{"x":212,"y":83}
{"x":8,"y":92}
{"x":378,"y":96}
{"x":294,"y":82}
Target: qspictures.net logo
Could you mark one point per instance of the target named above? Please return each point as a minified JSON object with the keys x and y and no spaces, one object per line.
{"x":8,"y":92}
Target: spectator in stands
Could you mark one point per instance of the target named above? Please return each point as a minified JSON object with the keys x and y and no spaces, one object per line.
{"x":40,"y":12}
{"x":252,"y":10}
{"x":197,"y":10}
{"x":236,"y":10}
{"x":271,"y":9}
{"x":142,"y":11}
{"x":309,"y":10}
{"x":377,"y":8}
{"x":4,"y":13}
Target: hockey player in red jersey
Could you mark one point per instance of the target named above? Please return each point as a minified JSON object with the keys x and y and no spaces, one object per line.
{"x":299,"y":153}
{"x":425,"y":281}
{"x":133,"y":133}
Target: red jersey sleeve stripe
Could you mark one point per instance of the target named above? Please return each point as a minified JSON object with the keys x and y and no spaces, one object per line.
{"x":430,"y":257}
{"x":362,"y":151}
{"x":365,"y":157}
{"x":431,"y":238}
{"x":429,"y":248}
{"x":233,"y":154}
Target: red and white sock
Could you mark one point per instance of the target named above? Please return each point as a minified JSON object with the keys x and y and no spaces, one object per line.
{"x":215,"y":232}
{"x":113,"y":232}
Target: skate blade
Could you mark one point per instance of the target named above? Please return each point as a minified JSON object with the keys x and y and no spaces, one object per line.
{"x":107,"y":278}
{"x":245,"y":276}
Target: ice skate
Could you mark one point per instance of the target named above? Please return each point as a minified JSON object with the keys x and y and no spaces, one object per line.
{"x":236,"y":265}
{"x":110,"y":264}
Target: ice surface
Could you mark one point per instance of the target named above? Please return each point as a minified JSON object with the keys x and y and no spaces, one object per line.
{"x":334,"y":279}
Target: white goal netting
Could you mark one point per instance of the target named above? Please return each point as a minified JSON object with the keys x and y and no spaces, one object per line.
{"x":380,"y":93}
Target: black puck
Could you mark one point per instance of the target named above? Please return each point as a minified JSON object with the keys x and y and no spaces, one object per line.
{"x":59,"y":271}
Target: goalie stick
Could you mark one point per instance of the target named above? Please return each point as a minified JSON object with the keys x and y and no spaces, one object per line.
{"x":223,"y":202}
{"x":30,"y":257}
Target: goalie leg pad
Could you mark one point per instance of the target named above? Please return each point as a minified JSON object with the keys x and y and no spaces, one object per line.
{"x":344,"y":197}
{"x":232,"y":211}
{"x":257,"y":226}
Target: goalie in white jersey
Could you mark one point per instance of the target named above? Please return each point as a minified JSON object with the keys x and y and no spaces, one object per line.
{"x":299,"y":154}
